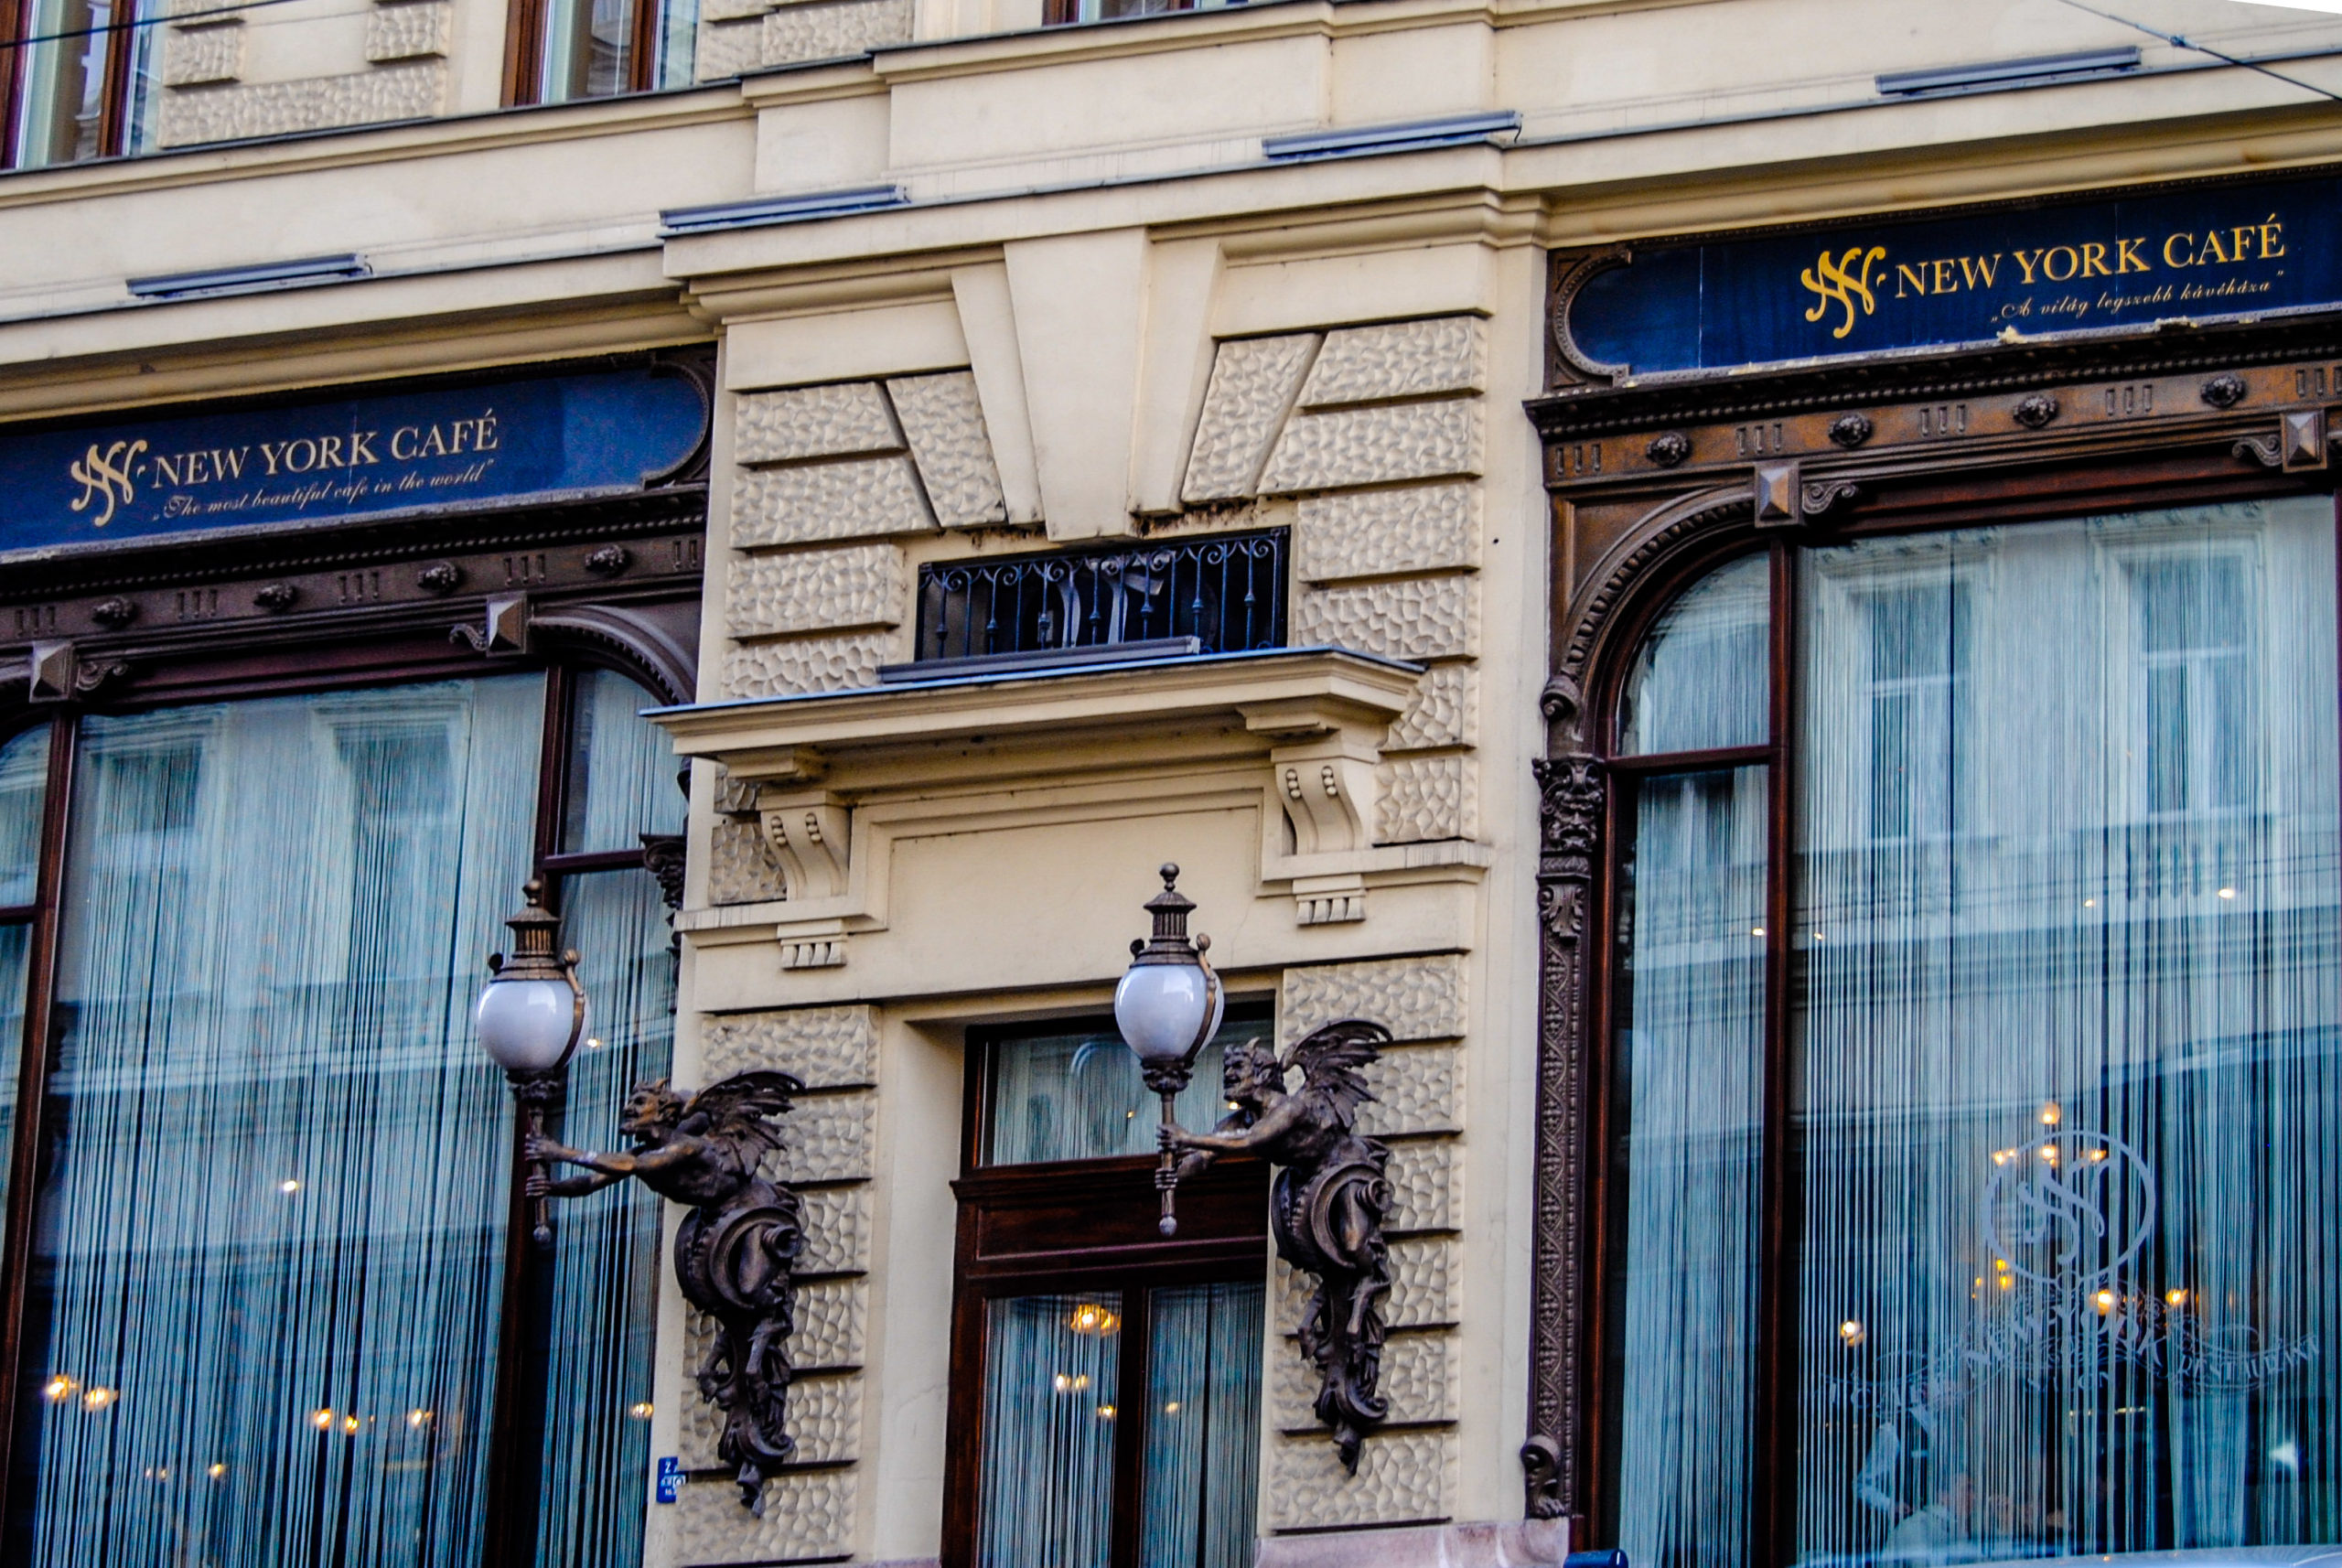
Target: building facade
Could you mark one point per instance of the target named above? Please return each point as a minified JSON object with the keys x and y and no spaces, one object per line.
{"x":1754,"y":589}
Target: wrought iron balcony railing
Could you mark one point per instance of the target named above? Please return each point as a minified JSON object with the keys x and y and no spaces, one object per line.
{"x":1220,"y":594}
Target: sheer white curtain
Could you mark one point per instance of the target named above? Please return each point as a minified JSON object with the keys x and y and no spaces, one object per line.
{"x":603,"y":1313}
{"x":1203,"y":1426}
{"x":2070,"y":1112}
{"x":1052,"y":1366}
{"x":269,"y":1260}
{"x":1079,"y":1096}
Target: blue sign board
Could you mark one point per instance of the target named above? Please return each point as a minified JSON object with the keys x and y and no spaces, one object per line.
{"x":671,"y":1479}
{"x":357,"y":455}
{"x":2201,"y":253}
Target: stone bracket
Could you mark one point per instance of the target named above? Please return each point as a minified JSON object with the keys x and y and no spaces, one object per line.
{"x":810,"y":832}
{"x":1323,"y":780}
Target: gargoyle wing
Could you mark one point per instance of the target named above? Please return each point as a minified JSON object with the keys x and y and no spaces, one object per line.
{"x":736,"y":1110}
{"x":1330,"y":1059}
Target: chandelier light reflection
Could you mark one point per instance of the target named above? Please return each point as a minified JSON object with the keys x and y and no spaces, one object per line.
{"x":531,"y":1014}
{"x":1167,"y":1006}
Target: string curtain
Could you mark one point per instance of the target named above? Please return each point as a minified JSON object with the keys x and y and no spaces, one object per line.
{"x":2070,"y":1104}
{"x":1203,"y":1425}
{"x":24,"y":774}
{"x":2063,"y":1057}
{"x":270,"y":1258}
{"x":1052,"y":1396}
{"x":603,"y":1319}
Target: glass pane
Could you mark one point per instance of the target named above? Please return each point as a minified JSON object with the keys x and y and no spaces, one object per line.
{"x":63,"y":112}
{"x":1078,"y":1095}
{"x":1203,"y":1431}
{"x":270,"y":1249}
{"x":605,"y":1247}
{"x":1702,"y":677}
{"x":1050,"y":1365}
{"x":622,"y":769}
{"x":678,"y":42}
{"x":15,"y":943}
{"x":1688,"y":1094}
{"x":589,"y":47}
{"x":24,"y":779}
{"x":2070,"y":1123}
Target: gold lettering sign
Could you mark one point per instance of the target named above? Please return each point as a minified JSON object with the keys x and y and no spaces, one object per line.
{"x":1838,"y":285}
{"x":105,"y":478}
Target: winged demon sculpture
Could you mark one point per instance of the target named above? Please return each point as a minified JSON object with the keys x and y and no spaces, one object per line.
{"x":1327,"y":1208}
{"x":735,"y":1251}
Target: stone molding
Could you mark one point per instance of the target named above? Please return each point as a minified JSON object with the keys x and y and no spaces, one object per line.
{"x":740,"y":36}
{"x":405,"y":89}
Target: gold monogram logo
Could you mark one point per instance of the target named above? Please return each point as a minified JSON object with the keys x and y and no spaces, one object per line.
{"x":1841,"y":283}
{"x":105,"y":477}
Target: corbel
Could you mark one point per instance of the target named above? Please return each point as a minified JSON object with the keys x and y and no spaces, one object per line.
{"x":1321,"y":774}
{"x":503,"y":627}
{"x":809,"y":829}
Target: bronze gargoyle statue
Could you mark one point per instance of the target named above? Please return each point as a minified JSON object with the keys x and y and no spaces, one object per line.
{"x":1327,"y":1208}
{"x":735,"y":1250}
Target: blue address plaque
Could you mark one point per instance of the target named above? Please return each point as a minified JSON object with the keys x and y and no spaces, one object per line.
{"x":582,"y":433}
{"x":2210,"y":252}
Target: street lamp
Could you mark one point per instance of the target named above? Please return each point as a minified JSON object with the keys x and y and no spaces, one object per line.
{"x":530,"y":1016}
{"x":1166,"y":1007}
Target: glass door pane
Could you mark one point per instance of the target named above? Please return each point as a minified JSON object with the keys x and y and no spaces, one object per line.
{"x":269,"y":1253}
{"x":2070,"y":1115}
{"x":24,"y":779}
{"x":1203,"y":1426}
{"x":1052,"y":1370}
{"x":1687,"y":1097}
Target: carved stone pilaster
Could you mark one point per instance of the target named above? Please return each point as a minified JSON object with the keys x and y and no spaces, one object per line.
{"x":1572,"y":792}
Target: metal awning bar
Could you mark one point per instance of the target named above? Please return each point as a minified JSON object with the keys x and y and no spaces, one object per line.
{"x":754,"y":214}
{"x":2031,"y":70}
{"x":241,"y":280}
{"x":1412,"y":135}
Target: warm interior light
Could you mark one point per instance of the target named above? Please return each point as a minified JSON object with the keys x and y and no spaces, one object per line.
{"x":1105,"y":1412}
{"x":217,"y":1471}
{"x":1851,"y":1332}
{"x":418,"y":1419}
{"x":98,"y":1399}
{"x":1755,"y":931}
{"x":640,"y":1410}
{"x":288,"y":1185}
{"x":2227,"y":892}
{"x":2175,"y":1297}
{"x":2105,"y":1300}
{"x":349,"y":1423}
{"x":60,"y":1388}
{"x":2052,"y":1114}
{"x":1172,"y":1407}
{"x":321,"y":1419}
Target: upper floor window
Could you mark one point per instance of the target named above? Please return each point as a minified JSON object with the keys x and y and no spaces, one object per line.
{"x":80,"y":82}
{"x":1106,"y":1380}
{"x":562,"y":50}
{"x":1062,"y":11}
{"x":1221,"y":594}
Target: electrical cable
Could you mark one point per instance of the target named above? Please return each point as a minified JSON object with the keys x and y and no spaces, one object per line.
{"x":2178,"y":42}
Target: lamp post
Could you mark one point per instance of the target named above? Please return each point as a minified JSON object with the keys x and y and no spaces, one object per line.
{"x":530,"y":1016}
{"x":1166,"y":1007}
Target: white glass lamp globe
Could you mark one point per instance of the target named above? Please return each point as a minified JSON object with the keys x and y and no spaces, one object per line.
{"x":526,"y":1026}
{"x":1161,"y":1010}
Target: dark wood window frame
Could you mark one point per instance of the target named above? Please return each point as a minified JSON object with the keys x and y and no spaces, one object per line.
{"x":388,"y":623}
{"x":16,"y":25}
{"x":525,"y":49}
{"x":1075,"y":1226}
{"x":1648,"y":534}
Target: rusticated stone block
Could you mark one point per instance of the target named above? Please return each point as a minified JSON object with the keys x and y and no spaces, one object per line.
{"x":1403,"y":1477}
{"x":732,"y":10}
{"x":1446,"y":712}
{"x":868,"y":498}
{"x":837,"y":1230}
{"x":729,"y":47}
{"x":848,"y":419}
{"x":1424,"y":1181}
{"x":1418,"y":1380}
{"x":733,"y":797}
{"x":741,"y":866}
{"x":1422,"y":1291}
{"x":809,"y":1515}
{"x":1399,"y":359}
{"x":409,"y":92}
{"x":1415,"y":998}
{"x":411,"y":30}
{"x":825,"y":1137}
{"x":822,"y":1047}
{"x":815,"y":590}
{"x":828,"y":1334}
{"x":945,"y":426}
{"x":1425,"y":800}
{"x":811,"y":664}
{"x":1417,"y":1088}
{"x":831,"y":30}
{"x":1379,"y":444}
{"x":1251,"y":389}
{"x":194,"y":57}
{"x":1421,"y":617}
{"x":1386,"y":534}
